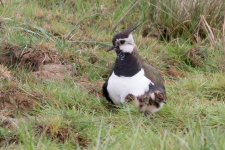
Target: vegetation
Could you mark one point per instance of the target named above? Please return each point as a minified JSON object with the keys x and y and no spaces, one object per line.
{"x":43,"y":108}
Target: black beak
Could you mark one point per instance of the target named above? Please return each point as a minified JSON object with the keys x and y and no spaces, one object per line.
{"x":111,"y":48}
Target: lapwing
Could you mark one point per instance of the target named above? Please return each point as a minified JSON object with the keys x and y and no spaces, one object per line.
{"x":131,"y":75}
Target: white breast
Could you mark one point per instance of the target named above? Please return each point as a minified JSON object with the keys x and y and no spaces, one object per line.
{"x":119,"y":86}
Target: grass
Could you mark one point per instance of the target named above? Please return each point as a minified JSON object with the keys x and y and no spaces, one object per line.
{"x":72,"y":113}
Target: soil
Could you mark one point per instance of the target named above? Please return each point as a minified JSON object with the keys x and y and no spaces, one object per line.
{"x":5,"y":74}
{"x":42,"y":60}
{"x":62,"y":134}
{"x":14,"y":101}
{"x":28,"y":58}
{"x":53,"y":72}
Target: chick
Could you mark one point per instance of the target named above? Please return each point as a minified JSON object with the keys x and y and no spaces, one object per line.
{"x":151,"y":101}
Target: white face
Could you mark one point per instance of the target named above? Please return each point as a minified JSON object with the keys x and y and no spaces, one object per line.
{"x":127,"y":45}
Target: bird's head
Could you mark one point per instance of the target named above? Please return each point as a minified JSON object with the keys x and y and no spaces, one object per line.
{"x":124,"y":41}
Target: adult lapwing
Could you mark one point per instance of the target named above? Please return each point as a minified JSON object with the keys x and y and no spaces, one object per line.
{"x":132,"y":76}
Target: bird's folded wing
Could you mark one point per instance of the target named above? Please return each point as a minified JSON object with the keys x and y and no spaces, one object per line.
{"x":153,"y":74}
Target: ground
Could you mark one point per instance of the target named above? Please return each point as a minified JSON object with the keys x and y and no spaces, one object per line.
{"x":54,"y":62}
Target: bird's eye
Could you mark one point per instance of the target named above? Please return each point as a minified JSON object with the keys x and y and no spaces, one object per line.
{"x":122,"y":41}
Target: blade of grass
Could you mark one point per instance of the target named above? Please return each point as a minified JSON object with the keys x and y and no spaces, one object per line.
{"x":130,"y":8}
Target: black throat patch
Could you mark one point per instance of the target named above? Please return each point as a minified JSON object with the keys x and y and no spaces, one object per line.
{"x":126,"y":65}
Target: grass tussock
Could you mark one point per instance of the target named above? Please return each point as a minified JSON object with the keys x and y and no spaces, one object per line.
{"x":53,"y":65}
{"x":195,"y":21}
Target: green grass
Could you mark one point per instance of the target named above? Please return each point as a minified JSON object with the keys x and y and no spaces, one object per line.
{"x":70,"y":114}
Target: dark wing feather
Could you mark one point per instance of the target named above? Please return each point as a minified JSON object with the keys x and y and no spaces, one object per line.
{"x":105,"y":92}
